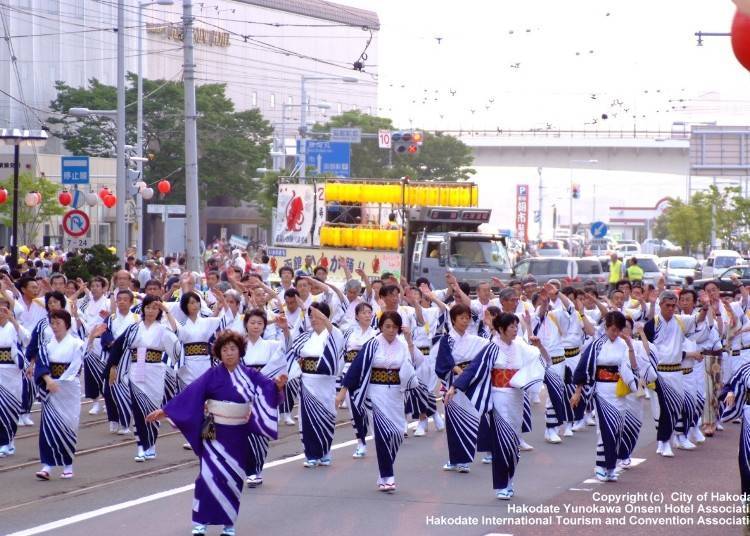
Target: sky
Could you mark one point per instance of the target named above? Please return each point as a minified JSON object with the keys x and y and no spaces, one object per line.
{"x":537,"y":63}
{"x":555,"y":64}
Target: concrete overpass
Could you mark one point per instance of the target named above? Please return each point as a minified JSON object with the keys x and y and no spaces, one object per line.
{"x":634,"y":151}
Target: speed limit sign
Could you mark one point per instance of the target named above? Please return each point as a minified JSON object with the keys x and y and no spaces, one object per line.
{"x":384,"y":139}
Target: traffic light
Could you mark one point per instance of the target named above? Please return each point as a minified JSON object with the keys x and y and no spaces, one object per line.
{"x":576,"y":191}
{"x":406,"y":142}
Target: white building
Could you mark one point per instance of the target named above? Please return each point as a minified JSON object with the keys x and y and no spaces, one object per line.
{"x":261,"y":50}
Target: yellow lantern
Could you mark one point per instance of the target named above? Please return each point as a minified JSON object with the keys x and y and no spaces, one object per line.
{"x":347,"y":237}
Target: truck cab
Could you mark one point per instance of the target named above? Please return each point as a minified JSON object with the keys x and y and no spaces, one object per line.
{"x":442,"y":241}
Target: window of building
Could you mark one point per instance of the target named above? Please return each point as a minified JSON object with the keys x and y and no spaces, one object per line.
{"x":273,"y":100}
{"x":338,"y":107}
{"x":255,"y":98}
{"x":289,"y":99}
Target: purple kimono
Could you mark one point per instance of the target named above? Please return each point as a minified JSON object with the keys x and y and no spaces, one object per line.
{"x":224,"y":460}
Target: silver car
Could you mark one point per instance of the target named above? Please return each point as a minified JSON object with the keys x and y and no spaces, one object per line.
{"x":676,"y":269}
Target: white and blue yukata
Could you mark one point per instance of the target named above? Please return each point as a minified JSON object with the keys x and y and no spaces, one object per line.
{"x":141,"y":355}
{"x":633,"y":403}
{"x":241,"y":402}
{"x":94,"y":360}
{"x":354,"y":339}
{"x":486,"y":384}
{"x":195,"y":336}
{"x":320,"y":356}
{"x":117,"y":400}
{"x":378,"y":377}
{"x":461,"y":417}
{"x":666,"y":338}
{"x":62,"y":361}
{"x":600,"y":368}
{"x":739,"y":384}
{"x":12,"y":365}
{"x":268,"y":358}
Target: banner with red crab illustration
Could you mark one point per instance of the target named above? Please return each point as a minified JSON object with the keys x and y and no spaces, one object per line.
{"x":295,"y":215}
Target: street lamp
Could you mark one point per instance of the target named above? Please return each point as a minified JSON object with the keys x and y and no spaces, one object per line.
{"x":321,"y":106}
{"x":139,"y":126}
{"x":302,"y":118}
{"x":18,"y":137}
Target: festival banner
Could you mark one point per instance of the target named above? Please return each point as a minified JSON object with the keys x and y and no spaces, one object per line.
{"x":295,"y":214}
{"x":522,"y":212}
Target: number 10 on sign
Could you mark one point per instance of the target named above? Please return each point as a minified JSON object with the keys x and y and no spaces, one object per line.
{"x":384,"y":139}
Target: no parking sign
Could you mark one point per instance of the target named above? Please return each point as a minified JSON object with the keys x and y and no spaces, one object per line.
{"x":75,"y":223}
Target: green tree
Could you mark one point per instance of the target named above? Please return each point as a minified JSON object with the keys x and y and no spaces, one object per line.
{"x":30,"y":219}
{"x":441,"y":157}
{"x":96,"y":260}
{"x":231,"y":144}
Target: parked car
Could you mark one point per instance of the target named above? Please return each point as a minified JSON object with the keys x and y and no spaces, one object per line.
{"x":552,"y":248}
{"x":676,"y":269}
{"x":725,"y":279}
{"x":719,"y":260}
{"x":649,"y":265}
{"x":656,"y":246}
{"x":627,"y":250}
{"x":601,"y":246}
{"x":569,"y":270}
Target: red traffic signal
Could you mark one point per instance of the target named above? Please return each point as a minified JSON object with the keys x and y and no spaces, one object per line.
{"x":406,"y":142}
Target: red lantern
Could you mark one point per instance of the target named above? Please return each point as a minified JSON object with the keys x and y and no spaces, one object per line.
{"x":104,"y":192}
{"x":164,"y":187}
{"x":3,"y":195}
{"x":741,"y":38}
{"x":65,"y":198}
{"x":110,"y":200}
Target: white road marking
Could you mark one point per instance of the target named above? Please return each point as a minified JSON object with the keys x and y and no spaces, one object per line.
{"x":580,"y":489}
{"x":85,"y":516}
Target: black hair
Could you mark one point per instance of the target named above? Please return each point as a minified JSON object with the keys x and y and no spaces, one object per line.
{"x":614,"y":318}
{"x":422,"y":281}
{"x":56,"y":294}
{"x":185,"y":298}
{"x":503,"y":321}
{"x":264,"y":259}
{"x":624,"y":282}
{"x":24,"y":282}
{"x":148,"y":300}
{"x":691,"y":292}
{"x":712,"y":282}
{"x":361,"y":306}
{"x":318,"y":268}
{"x":322,"y":307}
{"x":126,"y":292}
{"x":567,"y":291}
{"x":493,"y":310}
{"x":300,"y":278}
{"x":286,"y":269}
{"x":386,"y":275}
{"x":255,"y":312}
{"x":612,"y":292}
{"x":99,"y":279}
{"x":465,"y":287}
{"x":394,"y":317}
{"x":63,"y":315}
{"x":387,"y":290}
{"x":57,"y":276}
{"x":291,"y":293}
{"x":154,"y":283}
{"x":458,"y":310}
{"x":212,"y":272}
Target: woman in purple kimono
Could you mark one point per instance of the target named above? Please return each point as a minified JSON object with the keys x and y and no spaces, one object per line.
{"x":216,"y":414}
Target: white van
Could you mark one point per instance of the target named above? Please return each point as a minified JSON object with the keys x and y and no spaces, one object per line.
{"x":719,"y":260}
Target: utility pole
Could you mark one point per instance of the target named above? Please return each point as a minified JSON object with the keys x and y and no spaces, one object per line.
{"x":192,"y":208}
{"x":541,"y":199}
{"x":302,"y":131}
{"x":120,"y":190}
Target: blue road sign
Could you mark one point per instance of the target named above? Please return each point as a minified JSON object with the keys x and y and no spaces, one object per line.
{"x":329,"y":157}
{"x":75,"y":169}
{"x":599,"y":229}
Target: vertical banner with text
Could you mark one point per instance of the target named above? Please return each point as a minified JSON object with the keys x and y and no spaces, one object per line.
{"x":522,"y":212}
{"x":320,"y":211}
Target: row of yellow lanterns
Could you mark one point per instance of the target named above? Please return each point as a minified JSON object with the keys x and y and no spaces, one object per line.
{"x":362,"y":236}
{"x":459,"y":195}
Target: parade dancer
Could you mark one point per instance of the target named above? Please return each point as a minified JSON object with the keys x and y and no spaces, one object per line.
{"x":137,"y":357}
{"x":267,"y":357}
{"x":13,"y":337}
{"x":666,"y":335}
{"x":382,"y":371}
{"x":56,"y":374}
{"x":599,"y":368}
{"x":117,"y":399}
{"x":29,"y":309}
{"x":354,"y":339}
{"x":491,"y":385}
{"x":318,"y":352}
{"x":93,"y":310}
{"x":453,"y":354}
{"x":216,"y":413}
{"x":737,"y":405}
{"x":633,"y":379}
{"x":550,"y":327}
{"x":294,"y":312}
